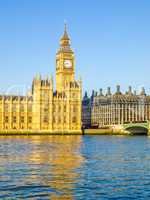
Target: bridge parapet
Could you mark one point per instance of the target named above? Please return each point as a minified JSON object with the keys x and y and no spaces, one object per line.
{"x":123,"y":128}
{"x":142,"y":125}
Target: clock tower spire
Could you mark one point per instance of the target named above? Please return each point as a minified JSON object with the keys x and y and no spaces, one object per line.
{"x":64,"y":62}
{"x":65,"y":40}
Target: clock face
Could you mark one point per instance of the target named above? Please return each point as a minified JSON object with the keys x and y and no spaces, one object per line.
{"x":67,"y":63}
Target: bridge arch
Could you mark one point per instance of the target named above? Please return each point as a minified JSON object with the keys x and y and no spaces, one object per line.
{"x":137,"y":130}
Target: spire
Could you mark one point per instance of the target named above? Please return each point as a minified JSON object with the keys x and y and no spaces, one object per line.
{"x":65,"y":32}
{"x":130,"y":90}
{"x":65,"y":40}
{"x":143,"y":93}
{"x":38,"y":76}
{"x":85,"y":95}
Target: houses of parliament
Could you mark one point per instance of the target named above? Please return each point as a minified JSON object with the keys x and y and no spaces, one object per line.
{"x":62,"y":110}
{"x":46,"y":109}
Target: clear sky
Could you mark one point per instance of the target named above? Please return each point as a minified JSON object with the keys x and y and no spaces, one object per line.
{"x":111,"y":40}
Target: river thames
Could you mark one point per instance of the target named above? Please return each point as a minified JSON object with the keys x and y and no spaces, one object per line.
{"x":74,"y":167}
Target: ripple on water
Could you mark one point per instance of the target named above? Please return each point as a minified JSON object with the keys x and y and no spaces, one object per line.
{"x":74,"y":167}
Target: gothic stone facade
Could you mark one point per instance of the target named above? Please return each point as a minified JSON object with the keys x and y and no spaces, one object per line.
{"x":46,"y":109}
{"x":116,"y":109}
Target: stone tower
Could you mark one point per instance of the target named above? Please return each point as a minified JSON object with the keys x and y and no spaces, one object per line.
{"x":64,"y":63}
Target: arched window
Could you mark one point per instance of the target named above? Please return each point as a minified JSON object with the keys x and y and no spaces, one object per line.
{"x":6,"y":119}
{"x":64,"y":108}
{"x":14,"y":119}
{"x":74,"y":119}
{"x":30,"y":120}
{"x":22,"y":119}
{"x":45,"y":119}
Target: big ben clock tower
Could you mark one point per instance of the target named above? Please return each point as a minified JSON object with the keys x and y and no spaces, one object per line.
{"x":64,"y":63}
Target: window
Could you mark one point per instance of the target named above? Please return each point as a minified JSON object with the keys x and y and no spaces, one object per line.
{"x":46,"y":109}
{"x":22,"y":119}
{"x":30,"y":120}
{"x":6,"y":119}
{"x":74,"y":120}
{"x":45,"y":120}
{"x":64,"y":119}
{"x":73,"y":95}
{"x":64,"y":108}
{"x":14,"y":119}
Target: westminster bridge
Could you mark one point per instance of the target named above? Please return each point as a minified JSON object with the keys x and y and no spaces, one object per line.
{"x":133,"y":128}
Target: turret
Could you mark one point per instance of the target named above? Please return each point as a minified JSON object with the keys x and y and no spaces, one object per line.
{"x":101,"y":92}
{"x":129,"y":92}
{"x":85,"y":96}
{"x":108,"y":93}
{"x":118,"y":92}
{"x":143,"y":93}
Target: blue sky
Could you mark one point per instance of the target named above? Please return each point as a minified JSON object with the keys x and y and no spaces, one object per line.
{"x":111,"y":40}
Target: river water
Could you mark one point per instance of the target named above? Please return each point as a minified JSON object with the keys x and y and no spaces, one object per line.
{"x":74,"y":167}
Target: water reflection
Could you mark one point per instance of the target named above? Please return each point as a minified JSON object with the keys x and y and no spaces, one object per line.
{"x":62,"y":155}
{"x":74,"y":167}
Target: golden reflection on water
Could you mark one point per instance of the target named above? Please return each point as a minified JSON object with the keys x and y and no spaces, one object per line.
{"x":64,"y":158}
